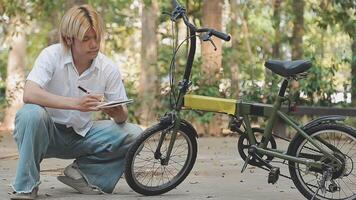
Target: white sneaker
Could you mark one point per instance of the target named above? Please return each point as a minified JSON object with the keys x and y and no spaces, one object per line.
{"x":25,"y":196}
{"x":72,"y":171}
{"x":73,"y":178}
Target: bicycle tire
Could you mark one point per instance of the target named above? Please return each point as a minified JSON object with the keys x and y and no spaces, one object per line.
{"x":135,"y":150}
{"x":306,"y":187}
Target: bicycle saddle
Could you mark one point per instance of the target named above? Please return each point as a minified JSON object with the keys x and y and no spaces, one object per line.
{"x":288,"y":68}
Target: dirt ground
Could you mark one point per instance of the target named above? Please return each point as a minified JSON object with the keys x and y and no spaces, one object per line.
{"x":216,"y":175}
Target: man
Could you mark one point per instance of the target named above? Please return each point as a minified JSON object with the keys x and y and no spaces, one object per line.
{"x":56,"y":118}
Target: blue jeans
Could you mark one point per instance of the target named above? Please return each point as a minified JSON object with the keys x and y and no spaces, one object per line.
{"x":100,"y":155}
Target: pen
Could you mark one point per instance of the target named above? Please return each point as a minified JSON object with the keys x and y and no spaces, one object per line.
{"x":82,"y":89}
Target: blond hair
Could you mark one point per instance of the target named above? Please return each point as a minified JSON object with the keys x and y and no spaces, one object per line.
{"x":77,"y":21}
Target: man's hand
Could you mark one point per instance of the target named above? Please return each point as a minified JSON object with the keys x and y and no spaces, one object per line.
{"x":89,"y":102}
{"x":118,"y":113}
{"x":34,"y":94}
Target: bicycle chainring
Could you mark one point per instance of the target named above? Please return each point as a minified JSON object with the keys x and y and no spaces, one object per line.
{"x":243,"y":145}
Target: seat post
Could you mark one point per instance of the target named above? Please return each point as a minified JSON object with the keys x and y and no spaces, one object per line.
{"x":283,"y":88}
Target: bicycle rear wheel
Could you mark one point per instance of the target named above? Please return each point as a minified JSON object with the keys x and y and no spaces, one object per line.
{"x":146,"y":173}
{"x":341,"y":183}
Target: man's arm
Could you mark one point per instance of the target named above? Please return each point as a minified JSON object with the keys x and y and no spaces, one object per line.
{"x":118,"y":113}
{"x":34,"y":94}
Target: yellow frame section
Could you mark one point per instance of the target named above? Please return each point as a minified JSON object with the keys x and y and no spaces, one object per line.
{"x":212,"y":104}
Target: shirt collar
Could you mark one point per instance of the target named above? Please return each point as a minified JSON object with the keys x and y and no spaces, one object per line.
{"x":68,"y":58}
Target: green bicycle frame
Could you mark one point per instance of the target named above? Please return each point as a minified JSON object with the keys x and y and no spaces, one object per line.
{"x":236,"y":108}
{"x":233,"y":107}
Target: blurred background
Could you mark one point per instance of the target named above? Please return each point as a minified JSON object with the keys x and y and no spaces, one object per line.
{"x":139,"y":39}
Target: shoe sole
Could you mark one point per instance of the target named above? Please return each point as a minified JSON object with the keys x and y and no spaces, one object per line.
{"x":21,"y":196}
{"x":80,"y":185}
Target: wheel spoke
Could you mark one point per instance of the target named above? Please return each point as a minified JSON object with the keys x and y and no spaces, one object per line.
{"x":151,"y":174}
{"x":345,"y":143}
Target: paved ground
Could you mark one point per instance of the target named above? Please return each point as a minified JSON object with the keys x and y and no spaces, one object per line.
{"x":216,"y":175}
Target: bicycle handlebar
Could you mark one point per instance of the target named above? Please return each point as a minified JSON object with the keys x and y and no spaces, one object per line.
{"x":179,"y":11}
{"x":221,"y":35}
{"x":175,"y":4}
{"x":216,"y":33}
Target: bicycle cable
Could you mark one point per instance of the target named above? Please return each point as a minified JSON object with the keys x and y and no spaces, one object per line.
{"x":172,"y":70}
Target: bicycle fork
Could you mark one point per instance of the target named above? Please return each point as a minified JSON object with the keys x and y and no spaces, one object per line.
{"x":158,"y":153}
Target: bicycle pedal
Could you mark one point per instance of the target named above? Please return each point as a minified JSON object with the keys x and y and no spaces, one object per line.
{"x":273,"y":175}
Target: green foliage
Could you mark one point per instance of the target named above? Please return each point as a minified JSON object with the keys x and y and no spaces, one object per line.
{"x":329,"y":31}
{"x":319,"y":85}
{"x":132,"y":94}
{"x":342,"y":12}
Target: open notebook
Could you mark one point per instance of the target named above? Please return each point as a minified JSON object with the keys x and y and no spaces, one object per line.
{"x":114,"y":103}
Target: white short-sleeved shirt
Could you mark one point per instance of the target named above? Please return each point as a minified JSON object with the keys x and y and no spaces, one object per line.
{"x":55,"y":72}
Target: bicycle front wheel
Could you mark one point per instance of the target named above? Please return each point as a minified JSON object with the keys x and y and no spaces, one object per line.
{"x":145,"y":171}
{"x":340,"y":183}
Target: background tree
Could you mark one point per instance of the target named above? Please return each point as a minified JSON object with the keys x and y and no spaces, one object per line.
{"x":149,"y":86}
{"x":260,"y":30}
{"x":341,"y":13}
{"x":298,"y":29}
{"x":297,"y":40}
{"x":271,"y":80}
{"x":233,"y":53}
{"x":212,"y":59}
{"x":16,"y":39}
{"x":16,"y":75}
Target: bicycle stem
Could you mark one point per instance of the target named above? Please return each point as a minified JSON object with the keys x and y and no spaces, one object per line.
{"x":185,"y":83}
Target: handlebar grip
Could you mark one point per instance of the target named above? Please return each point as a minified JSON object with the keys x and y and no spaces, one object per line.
{"x":221,"y":35}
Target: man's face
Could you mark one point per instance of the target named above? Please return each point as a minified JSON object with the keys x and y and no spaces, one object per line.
{"x":88,"y":48}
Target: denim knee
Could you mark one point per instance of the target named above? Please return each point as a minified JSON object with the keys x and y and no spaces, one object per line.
{"x":132,"y":130}
{"x":31,"y":112}
{"x":127,"y":130}
{"x":30,"y":116}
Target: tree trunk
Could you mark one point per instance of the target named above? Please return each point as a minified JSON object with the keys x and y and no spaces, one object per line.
{"x":148,"y":88}
{"x":234,"y":40}
{"x":212,"y":18}
{"x":15,"y":79}
{"x":270,"y":79}
{"x":298,"y":29}
{"x":297,"y":41}
{"x":212,"y":60}
{"x":246,"y":36}
{"x":276,"y":21}
{"x":353,"y":72}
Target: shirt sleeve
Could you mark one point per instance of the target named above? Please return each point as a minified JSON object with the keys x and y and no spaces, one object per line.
{"x":114,"y":89}
{"x":42,"y":71}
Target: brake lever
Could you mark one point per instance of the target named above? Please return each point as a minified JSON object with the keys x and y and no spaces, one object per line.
{"x":207,"y":37}
{"x":211,"y":41}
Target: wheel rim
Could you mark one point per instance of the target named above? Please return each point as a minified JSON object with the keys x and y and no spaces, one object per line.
{"x":346,"y":183}
{"x":149,"y":173}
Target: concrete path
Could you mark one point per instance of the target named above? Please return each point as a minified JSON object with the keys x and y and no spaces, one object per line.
{"x":216,"y":175}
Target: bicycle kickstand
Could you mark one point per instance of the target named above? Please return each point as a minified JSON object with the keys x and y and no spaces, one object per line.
{"x":248,"y":158}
